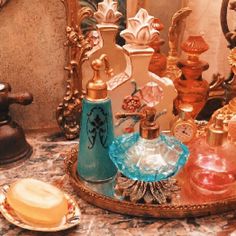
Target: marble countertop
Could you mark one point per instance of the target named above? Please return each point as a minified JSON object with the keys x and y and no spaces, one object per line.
{"x":46,"y":163}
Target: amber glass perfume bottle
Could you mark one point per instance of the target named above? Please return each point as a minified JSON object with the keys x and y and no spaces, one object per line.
{"x":191,"y":87}
{"x":158,"y":61}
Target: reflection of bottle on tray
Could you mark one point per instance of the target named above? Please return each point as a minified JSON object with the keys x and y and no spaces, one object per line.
{"x":96,"y":132}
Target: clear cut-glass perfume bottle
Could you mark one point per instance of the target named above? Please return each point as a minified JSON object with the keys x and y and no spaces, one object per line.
{"x":148,"y":155}
{"x":212,"y":166}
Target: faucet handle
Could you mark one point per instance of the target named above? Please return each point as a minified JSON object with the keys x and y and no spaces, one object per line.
{"x":8,"y":98}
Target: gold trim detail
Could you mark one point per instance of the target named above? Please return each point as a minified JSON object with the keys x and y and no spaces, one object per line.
{"x":69,"y":110}
{"x":181,"y":209}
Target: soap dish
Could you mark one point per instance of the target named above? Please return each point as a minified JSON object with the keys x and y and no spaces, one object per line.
{"x":70,"y":220}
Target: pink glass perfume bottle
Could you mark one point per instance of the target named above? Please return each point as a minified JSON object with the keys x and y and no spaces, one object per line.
{"x":191,"y":87}
{"x":212,"y":165}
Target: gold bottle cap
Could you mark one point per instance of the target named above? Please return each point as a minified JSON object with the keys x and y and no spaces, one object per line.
{"x":185,"y":111}
{"x":216,"y":133}
{"x":149,"y":127}
{"x":96,"y":88}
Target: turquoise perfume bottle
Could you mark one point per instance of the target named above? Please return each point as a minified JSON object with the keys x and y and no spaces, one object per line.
{"x":96,"y":133}
{"x":148,"y":156}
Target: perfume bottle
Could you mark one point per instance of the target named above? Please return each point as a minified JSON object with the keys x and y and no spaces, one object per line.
{"x":138,"y":35}
{"x":107,"y":17}
{"x":148,"y":155}
{"x":158,"y":62}
{"x":191,"y":87}
{"x":97,"y":132}
{"x":211,"y":167}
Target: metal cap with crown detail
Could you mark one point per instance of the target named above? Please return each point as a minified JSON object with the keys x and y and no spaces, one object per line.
{"x":216,"y":133}
{"x":149,"y":127}
{"x":96,"y":88}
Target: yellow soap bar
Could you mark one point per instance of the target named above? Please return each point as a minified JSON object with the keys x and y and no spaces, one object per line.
{"x":37,"y":202}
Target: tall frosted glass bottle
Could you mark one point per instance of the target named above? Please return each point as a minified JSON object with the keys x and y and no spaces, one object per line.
{"x":96,"y":132}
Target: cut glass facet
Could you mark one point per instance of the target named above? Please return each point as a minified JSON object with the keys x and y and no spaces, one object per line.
{"x":148,"y":160}
{"x":152,"y":94}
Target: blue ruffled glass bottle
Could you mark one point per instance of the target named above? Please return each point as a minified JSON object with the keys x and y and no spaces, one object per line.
{"x":148,"y":156}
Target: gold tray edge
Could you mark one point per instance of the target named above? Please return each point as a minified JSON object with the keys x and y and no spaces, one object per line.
{"x":137,"y":209}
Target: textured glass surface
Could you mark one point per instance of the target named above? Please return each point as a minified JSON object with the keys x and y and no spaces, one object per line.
{"x":148,"y":160}
{"x":211,"y":170}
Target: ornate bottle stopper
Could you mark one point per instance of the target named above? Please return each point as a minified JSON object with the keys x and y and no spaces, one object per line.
{"x":191,"y":87}
{"x":140,"y":31}
{"x":107,"y":12}
{"x":147,"y":160}
{"x":158,"y":61}
{"x":13,"y":145}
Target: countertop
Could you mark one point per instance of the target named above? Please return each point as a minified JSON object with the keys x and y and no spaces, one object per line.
{"x":46,"y":163}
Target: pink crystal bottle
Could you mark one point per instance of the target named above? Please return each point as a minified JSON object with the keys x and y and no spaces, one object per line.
{"x":212,"y":166}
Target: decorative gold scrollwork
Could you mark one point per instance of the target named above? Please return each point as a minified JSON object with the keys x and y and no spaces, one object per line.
{"x":69,"y":110}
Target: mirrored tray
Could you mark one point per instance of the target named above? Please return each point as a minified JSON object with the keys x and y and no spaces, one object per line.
{"x":185,"y":203}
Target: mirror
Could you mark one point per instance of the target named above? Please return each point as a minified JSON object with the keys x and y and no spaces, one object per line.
{"x":204,"y":19}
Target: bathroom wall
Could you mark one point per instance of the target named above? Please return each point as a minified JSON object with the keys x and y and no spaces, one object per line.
{"x":32,"y":57}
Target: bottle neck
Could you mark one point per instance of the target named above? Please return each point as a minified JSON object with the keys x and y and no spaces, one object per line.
{"x":108,"y":36}
{"x":144,"y":140}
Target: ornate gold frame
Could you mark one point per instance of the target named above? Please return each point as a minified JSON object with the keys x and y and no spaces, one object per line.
{"x":68,"y":111}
